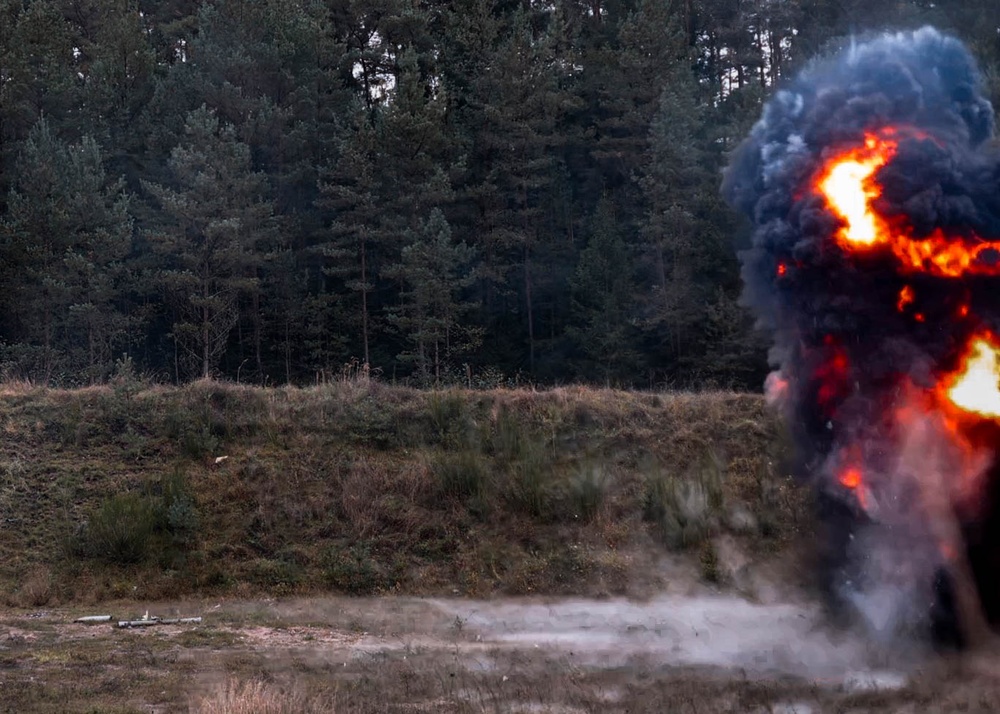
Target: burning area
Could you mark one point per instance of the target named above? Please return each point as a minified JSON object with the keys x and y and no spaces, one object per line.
{"x":873,"y":185}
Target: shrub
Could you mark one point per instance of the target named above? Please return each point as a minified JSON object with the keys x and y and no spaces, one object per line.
{"x":679,"y":509}
{"x":367,"y":421}
{"x":708,"y":560}
{"x":449,"y":423}
{"x":461,"y":475}
{"x":588,"y":490}
{"x":508,"y":439}
{"x":279,"y":575}
{"x":35,"y":589}
{"x":178,"y":514}
{"x":120,"y":530}
{"x":530,"y":491}
{"x":353,"y":570}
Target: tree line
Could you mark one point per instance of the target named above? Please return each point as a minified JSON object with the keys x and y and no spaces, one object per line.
{"x":482,"y":191}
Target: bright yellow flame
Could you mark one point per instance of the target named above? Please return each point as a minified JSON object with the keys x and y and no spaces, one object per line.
{"x":849,"y":185}
{"x":977,"y":385}
{"x":850,"y":190}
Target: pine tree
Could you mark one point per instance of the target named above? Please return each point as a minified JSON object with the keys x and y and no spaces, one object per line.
{"x":505,"y":64}
{"x":67,"y":233}
{"x":216,"y":216}
{"x":434,"y":270}
{"x":602,"y":290}
{"x":351,"y":195}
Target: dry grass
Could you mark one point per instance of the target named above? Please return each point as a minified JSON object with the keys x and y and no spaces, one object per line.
{"x":258,"y":697}
{"x":498,"y":491}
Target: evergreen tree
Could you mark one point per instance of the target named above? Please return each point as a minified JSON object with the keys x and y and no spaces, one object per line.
{"x":603,"y":289}
{"x":66,"y":234}
{"x":216,"y":218}
{"x":434,"y":270}
{"x":351,"y":195}
{"x":506,"y":64}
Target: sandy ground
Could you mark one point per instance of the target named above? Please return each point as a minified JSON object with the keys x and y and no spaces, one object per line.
{"x":716,"y":631}
{"x":708,"y":641}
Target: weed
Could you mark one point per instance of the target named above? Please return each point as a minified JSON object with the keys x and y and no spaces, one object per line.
{"x":529,"y":486}
{"x":708,"y":561}
{"x":256,"y":697}
{"x":461,"y":475}
{"x":354,"y":571}
{"x":277,"y":575}
{"x":119,"y":531}
{"x":588,"y":490}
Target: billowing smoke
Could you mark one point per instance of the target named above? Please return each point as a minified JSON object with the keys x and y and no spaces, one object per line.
{"x":874,"y":192}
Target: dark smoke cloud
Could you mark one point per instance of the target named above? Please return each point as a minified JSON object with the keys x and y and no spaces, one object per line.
{"x":923,"y":80}
{"x":829,"y":305}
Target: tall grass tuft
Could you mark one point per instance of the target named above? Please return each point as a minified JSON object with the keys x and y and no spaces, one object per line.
{"x":462,"y":475}
{"x":532,"y":476}
{"x":257,"y":697}
{"x":686,"y":510}
{"x":449,"y":421}
{"x":588,"y":490}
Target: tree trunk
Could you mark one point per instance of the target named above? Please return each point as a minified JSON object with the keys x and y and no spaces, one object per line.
{"x":205,"y":333}
{"x":364,"y":297}
{"x":528,"y":306}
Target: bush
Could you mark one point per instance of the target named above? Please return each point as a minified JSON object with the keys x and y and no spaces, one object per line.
{"x":508,"y":439}
{"x":354,"y":571}
{"x":279,"y":575}
{"x":366,"y":421}
{"x":708,"y":561}
{"x":530,"y":492}
{"x":679,"y":509}
{"x":178,"y":514}
{"x":587,"y":491}
{"x":449,"y":423}
{"x":462,"y":475}
{"x":119,"y":531}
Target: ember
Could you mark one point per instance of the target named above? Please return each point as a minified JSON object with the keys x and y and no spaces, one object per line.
{"x":872,"y":173}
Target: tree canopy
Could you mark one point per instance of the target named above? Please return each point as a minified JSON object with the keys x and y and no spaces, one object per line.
{"x":483,"y":191}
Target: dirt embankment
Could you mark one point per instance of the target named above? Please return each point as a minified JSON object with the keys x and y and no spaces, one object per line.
{"x":362,"y":488}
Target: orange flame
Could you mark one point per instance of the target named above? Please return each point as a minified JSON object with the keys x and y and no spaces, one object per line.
{"x":851,"y":478}
{"x":850,"y":186}
{"x":905,"y":298}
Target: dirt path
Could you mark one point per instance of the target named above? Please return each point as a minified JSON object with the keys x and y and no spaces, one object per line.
{"x":719,"y":652}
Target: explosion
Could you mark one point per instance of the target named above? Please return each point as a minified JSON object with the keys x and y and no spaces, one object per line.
{"x":873,"y":191}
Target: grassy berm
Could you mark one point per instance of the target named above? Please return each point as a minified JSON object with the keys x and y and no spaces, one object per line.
{"x":142,"y":492}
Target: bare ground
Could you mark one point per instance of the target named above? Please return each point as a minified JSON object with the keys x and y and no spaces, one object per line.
{"x":694,"y":652}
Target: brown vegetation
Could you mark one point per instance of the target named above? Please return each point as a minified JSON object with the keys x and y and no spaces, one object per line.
{"x":359,"y":487}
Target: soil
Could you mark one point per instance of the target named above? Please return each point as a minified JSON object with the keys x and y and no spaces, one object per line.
{"x":719,"y":652}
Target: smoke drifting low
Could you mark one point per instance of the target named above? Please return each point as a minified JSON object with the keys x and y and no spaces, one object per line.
{"x":874,"y":190}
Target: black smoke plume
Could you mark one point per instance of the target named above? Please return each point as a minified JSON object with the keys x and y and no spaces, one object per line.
{"x":847,"y":359}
